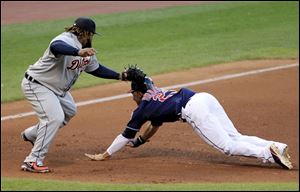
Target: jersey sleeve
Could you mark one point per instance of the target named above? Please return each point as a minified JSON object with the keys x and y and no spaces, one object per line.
{"x":93,"y":64}
{"x":137,"y":120}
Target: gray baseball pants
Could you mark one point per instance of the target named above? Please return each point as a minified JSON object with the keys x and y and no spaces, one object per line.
{"x":53,"y":113}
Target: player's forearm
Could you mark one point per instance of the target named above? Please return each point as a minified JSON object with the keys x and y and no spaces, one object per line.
{"x":119,"y":142}
{"x":140,"y":140}
{"x":149,"y":132}
{"x":106,"y":73}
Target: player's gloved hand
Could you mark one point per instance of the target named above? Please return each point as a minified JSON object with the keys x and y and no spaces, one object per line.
{"x":133,"y":73}
{"x":136,"y":142}
{"x":123,"y":76}
{"x":98,"y":157}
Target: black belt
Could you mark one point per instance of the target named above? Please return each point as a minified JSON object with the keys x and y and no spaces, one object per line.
{"x":31,"y":78}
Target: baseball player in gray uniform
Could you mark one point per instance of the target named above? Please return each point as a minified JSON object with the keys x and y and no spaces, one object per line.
{"x":47,"y":82}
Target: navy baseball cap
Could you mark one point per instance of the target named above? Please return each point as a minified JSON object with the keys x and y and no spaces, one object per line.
{"x":86,"y":24}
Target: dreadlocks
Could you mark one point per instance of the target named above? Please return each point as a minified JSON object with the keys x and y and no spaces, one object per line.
{"x":76,"y":31}
{"x":80,"y":33}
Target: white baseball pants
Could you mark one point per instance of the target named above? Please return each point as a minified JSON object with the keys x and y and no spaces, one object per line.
{"x":209,"y":120}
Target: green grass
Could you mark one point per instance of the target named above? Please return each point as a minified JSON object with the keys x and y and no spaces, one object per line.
{"x":162,"y":40}
{"x":9,"y":184}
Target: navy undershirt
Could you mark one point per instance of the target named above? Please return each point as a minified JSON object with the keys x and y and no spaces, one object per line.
{"x":60,"y":47}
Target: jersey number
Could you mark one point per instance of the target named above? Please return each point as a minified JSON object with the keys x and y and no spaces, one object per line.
{"x":161,"y":96}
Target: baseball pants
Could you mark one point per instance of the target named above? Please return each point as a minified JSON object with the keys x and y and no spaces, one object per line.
{"x":209,"y":120}
{"x":53,"y":113}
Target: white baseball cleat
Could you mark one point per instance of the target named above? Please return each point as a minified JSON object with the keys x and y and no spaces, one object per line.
{"x":286,"y":153}
{"x":281,"y":159}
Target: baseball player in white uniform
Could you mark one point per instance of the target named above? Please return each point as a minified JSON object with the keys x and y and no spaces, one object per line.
{"x":47,"y":83}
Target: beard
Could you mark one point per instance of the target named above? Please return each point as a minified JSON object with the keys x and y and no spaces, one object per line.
{"x":88,"y":44}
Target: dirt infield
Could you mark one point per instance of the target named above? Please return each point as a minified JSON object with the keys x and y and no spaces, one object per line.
{"x":264,"y":105}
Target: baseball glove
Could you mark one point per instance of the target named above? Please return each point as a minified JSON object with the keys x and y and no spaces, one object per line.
{"x":133,"y":73}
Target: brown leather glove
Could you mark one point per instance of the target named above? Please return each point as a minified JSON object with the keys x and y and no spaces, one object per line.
{"x":133,"y":73}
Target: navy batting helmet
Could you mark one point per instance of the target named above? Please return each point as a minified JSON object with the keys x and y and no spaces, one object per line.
{"x":142,"y":87}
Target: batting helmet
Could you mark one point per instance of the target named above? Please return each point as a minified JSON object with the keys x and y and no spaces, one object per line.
{"x":142,"y":87}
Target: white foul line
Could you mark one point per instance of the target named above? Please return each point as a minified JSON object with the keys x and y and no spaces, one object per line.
{"x":214,"y":79}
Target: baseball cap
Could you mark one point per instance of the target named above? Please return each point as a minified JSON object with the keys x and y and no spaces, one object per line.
{"x":86,"y":24}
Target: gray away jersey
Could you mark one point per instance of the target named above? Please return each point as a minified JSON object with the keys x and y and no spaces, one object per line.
{"x":61,"y":72}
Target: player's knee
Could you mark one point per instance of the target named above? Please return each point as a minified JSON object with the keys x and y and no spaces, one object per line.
{"x":235,"y":137}
{"x":69,"y":115}
{"x":73,"y":112}
{"x":228,"y":148}
{"x":58,"y":120}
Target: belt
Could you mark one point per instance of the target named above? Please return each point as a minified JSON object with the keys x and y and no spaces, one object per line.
{"x":29,"y":78}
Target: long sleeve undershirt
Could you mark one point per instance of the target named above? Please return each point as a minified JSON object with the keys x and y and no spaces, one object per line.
{"x":105,"y":73}
{"x":119,"y":142}
{"x":62,"y":48}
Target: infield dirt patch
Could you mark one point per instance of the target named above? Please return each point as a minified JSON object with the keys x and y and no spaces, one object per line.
{"x":264,"y":105}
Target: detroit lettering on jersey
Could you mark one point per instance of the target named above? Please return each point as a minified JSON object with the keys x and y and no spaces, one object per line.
{"x":159,"y":106}
{"x":59,"y":47}
{"x":79,"y":62}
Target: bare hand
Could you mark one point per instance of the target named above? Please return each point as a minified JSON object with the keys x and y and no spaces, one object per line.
{"x":87,"y":52}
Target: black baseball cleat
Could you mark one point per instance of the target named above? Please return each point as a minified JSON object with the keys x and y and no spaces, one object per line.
{"x":281,"y":159}
{"x":23,"y":136}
